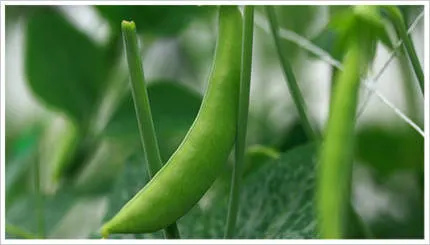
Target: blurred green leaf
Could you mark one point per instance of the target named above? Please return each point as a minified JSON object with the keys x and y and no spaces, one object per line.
{"x":23,"y":152}
{"x":156,"y":20}
{"x":174,"y":108}
{"x":64,"y":68}
{"x":19,"y":233}
{"x":58,"y":148}
{"x":276,"y":202}
{"x":24,"y":142}
{"x":390,"y":149}
{"x":13,"y":13}
{"x":403,"y":215}
{"x":293,"y":137}
{"x":334,"y":9}
{"x":17,"y":175}
{"x":101,"y":168}
{"x":23,"y":214}
{"x":81,"y":219}
{"x":395,"y":155}
{"x":351,"y":21}
{"x":256,"y":156}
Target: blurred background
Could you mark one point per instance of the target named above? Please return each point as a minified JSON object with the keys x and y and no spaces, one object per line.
{"x":73,"y":156}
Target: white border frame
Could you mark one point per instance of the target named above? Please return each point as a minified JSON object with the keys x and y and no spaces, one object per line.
{"x":426,"y":240}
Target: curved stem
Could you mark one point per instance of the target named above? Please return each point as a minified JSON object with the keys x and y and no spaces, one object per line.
{"x":289,"y":75}
{"x":241,"y":128}
{"x":143,"y":110}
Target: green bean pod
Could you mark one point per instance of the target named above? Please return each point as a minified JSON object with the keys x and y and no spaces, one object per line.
{"x":194,"y":166}
{"x":336,"y":155}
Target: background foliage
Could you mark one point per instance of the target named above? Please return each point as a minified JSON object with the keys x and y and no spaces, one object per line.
{"x":73,"y":156}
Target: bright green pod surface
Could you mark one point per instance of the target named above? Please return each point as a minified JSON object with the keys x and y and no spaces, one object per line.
{"x":192,"y":169}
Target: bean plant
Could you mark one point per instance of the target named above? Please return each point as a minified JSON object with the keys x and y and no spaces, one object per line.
{"x":193,"y":152}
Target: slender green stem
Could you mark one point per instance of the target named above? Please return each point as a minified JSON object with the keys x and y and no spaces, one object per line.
{"x":289,"y":75}
{"x":39,"y":202}
{"x":397,"y":20}
{"x":20,"y":233}
{"x":414,"y":112}
{"x":172,"y":232}
{"x":241,"y":128}
{"x":140,"y":98}
{"x":335,"y":169}
{"x":410,"y":49}
{"x":143,"y":109}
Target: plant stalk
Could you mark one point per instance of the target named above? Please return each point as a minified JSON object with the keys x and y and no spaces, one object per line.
{"x":143,"y":109}
{"x":410,"y":49}
{"x":396,"y":18}
{"x":290,"y":77}
{"x":335,"y":169}
{"x":242,"y":122}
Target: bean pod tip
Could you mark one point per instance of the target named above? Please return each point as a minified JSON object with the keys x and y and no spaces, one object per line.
{"x":104,"y":231}
{"x":128,"y":25}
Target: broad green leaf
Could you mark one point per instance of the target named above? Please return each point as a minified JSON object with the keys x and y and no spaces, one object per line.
{"x":276,"y":202}
{"x":64,"y":68}
{"x":390,"y":149}
{"x":14,"y":13}
{"x":174,"y":108}
{"x":256,"y":156}
{"x":156,"y":20}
